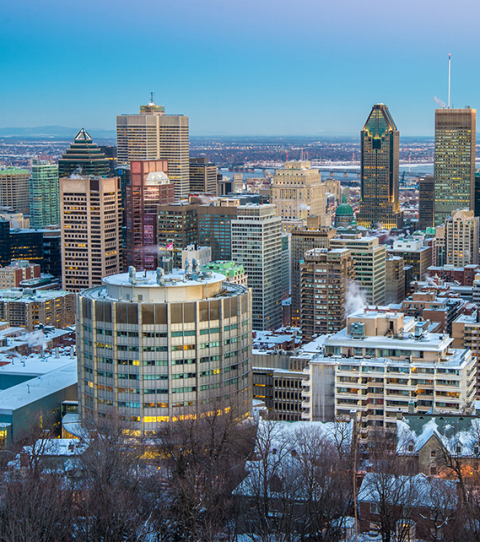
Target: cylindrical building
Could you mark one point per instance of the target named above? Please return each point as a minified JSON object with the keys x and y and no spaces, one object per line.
{"x":156,"y":347}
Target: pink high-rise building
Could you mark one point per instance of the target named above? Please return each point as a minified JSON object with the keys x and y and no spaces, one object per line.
{"x":149,"y":187}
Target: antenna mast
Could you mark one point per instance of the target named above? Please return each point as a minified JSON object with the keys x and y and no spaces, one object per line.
{"x":449,"y":72}
{"x":152,"y":96}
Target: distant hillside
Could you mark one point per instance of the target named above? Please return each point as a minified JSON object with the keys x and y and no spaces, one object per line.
{"x":56,"y":131}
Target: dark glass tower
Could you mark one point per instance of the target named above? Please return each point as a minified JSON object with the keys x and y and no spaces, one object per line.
{"x":83,"y":158}
{"x":426,"y":202}
{"x":379,"y":171}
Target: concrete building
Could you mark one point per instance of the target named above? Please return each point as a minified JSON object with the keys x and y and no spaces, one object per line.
{"x":414,"y":253}
{"x":304,"y":239}
{"x":298,"y":192}
{"x":286,"y":265}
{"x":426,"y":304}
{"x":380,"y":203}
{"x":465,"y":276}
{"x":456,"y":240}
{"x":383,"y":363}
{"x":176,"y":227}
{"x":454,"y":161}
{"x":28,"y":308}
{"x":466,"y":334}
{"x":233,"y":273}
{"x":161,"y":347}
{"x":149,"y":187}
{"x":44,"y":195}
{"x":15,"y":189}
{"x":333,"y":187}
{"x":12,"y":275}
{"x":91,"y":230}
{"x":237,"y":182}
{"x":324,"y":278}
{"x":394,"y":280}
{"x":16,"y":220}
{"x":426,"y":202}
{"x":203,"y":255}
{"x":257,"y":245}
{"x":369,"y":264}
{"x":203,"y":176}
{"x":153,"y":135}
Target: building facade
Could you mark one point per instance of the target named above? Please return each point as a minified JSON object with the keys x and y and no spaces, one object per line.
{"x":12,"y":275}
{"x":394,"y":279}
{"x":456,"y":240}
{"x":83,"y":157}
{"x":379,"y":171}
{"x":369,"y":264}
{"x":324,"y":279}
{"x":90,"y":210}
{"x":215,"y":226}
{"x":426,"y":202}
{"x":257,"y":245}
{"x":298,"y":192}
{"x":454,"y":161}
{"x":302,"y":240}
{"x":44,"y":195}
{"x":153,"y":135}
{"x":414,"y":254}
{"x":149,"y":187}
{"x":203,"y":176}
{"x":162,"y":347}
{"x":176,"y":229}
{"x":15,"y":189}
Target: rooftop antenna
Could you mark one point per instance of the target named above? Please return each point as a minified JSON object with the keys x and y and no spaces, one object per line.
{"x":449,"y":72}
{"x":152,"y":96}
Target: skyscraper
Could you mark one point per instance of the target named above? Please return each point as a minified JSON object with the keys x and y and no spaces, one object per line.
{"x":83,"y":157}
{"x":454,"y":161}
{"x":90,"y":211}
{"x":379,"y":170}
{"x":257,"y":245}
{"x":14,"y":189}
{"x":149,"y":187}
{"x":44,"y":195}
{"x":426,"y":202}
{"x":203,"y":176}
{"x":153,"y":135}
{"x":298,"y":192}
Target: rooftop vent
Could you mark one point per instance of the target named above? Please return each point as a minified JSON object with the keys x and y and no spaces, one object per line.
{"x":357,"y":330}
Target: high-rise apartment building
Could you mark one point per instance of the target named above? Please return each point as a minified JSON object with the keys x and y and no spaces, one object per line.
{"x":215,"y":226}
{"x":457,"y":240}
{"x":426,"y":202}
{"x":379,"y":170}
{"x":203,"y":176}
{"x":44,"y":195}
{"x":369,"y":263}
{"x":324,"y":278}
{"x":160,"y":347}
{"x":83,"y":157}
{"x":90,"y":212}
{"x":454,"y":161}
{"x":176,"y":226}
{"x":302,"y":240}
{"x":415,"y":254}
{"x":15,"y":189}
{"x":149,"y":187}
{"x":153,"y":135}
{"x":394,"y":280}
{"x":257,"y":245}
{"x":298,"y":192}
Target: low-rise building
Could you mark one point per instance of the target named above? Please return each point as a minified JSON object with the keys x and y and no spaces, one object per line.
{"x":18,"y":271}
{"x":384,"y":362}
{"x":28,"y":308}
{"x":233,"y":273}
{"x":464,"y":276}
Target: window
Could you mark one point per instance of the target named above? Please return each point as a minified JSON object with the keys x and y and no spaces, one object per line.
{"x":433,"y":454}
{"x":374,"y":508}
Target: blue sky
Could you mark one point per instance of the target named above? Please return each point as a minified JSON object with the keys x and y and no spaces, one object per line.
{"x":237,"y":67}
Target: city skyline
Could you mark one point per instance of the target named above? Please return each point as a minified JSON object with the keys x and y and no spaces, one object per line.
{"x":237,"y":69}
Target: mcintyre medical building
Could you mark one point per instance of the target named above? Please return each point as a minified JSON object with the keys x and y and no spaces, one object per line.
{"x":156,"y":347}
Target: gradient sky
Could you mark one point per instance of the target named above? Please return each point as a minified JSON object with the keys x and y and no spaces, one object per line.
{"x":237,"y":67}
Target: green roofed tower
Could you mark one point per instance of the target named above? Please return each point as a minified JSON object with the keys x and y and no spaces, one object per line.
{"x":379,"y":171}
{"x":83,"y":157}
